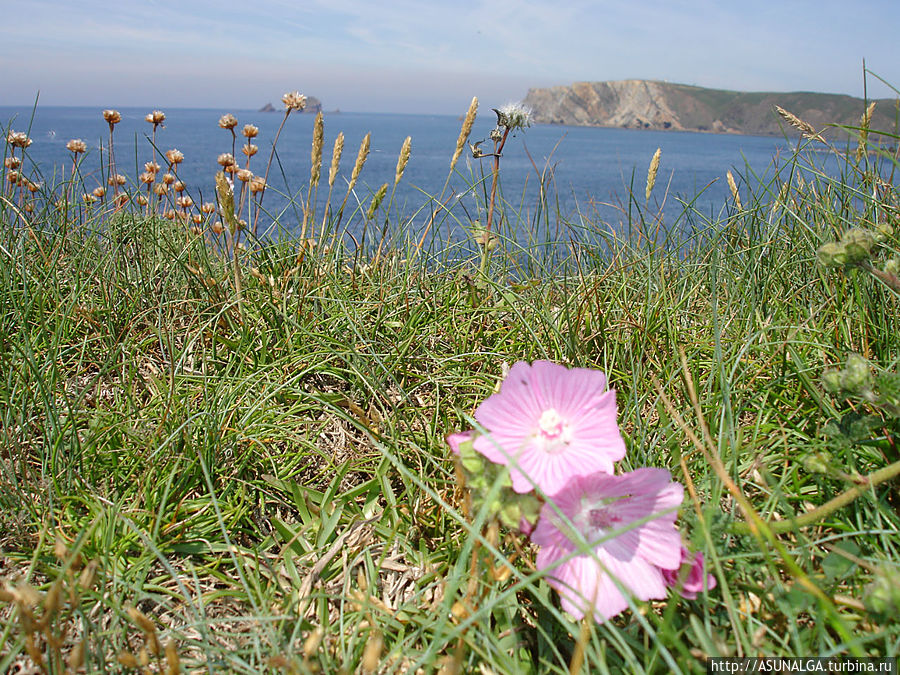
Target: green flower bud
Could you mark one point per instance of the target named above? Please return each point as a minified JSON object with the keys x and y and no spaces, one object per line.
{"x":831,"y":380}
{"x":820,"y":462}
{"x":858,"y":243}
{"x":883,"y":596}
{"x":832,"y":254}
{"x":883,"y":231}
{"x":857,"y":375}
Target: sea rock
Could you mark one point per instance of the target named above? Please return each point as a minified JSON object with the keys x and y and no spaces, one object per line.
{"x":313,"y":105}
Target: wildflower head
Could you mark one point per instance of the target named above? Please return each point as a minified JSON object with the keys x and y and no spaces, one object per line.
{"x":112,"y":116}
{"x":514,"y":116}
{"x":174,"y":156}
{"x":76,"y":145}
{"x":18,"y":139}
{"x":156,"y":117}
{"x":257,"y":184}
{"x":294,"y":100}
{"x":550,"y":423}
{"x":250,"y":130}
{"x":225,"y":159}
{"x":228,"y":121}
{"x":250,"y":149}
{"x":603,"y":536}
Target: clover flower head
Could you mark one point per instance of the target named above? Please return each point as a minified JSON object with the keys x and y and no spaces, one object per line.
{"x":550,"y":423}
{"x":603,"y":536}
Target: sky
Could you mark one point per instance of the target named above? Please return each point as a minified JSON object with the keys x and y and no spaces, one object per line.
{"x":420,"y":56}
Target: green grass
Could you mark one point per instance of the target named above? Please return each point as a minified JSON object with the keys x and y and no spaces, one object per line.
{"x":262,"y":473}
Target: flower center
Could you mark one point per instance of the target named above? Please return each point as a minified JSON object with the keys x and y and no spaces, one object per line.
{"x":551,"y":425}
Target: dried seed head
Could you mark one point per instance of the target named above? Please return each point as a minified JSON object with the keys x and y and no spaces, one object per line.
{"x":225,"y":159}
{"x":228,"y":121}
{"x":178,"y":186}
{"x":197,"y":219}
{"x":76,"y":145}
{"x":118,"y":179}
{"x":161,"y":189}
{"x":141,"y":200}
{"x":168,"y":178}
{"x":207,"y":208}
{"x":88,"y":198}
{"x":151,"y":167}
{"x":403,"y":159}
{"x":250,"y":149}
{"x":122,"y":199}
{"x":316,"y":153}
{"x":312,"y":642}
{"x":257,"y":184}
{"x":250,"y":131}
{"x":652,"y":171}
{"x":734,"y":191}
{"x":12,"y":162}
{"x":170,"y":215}
{"x":864,"y":122}
{"x":18,"y":139}
{"x":244,"y":175}
{"x":294,"y":100}
{"x":805,"y":127}
{"x":13,"y":177}
{"x":172,"y":661}
{"x":465,"y":131}
{"x":184,"y":202}
{"x":372,"y":652}
{"x":336,"y":158}
{"x":112,"y":116}
{"x":32,"y":186}
{"x":217,"y":227}
{"x":156,"y":117}
{"x":99,"y":192}
{"x":174,"y":156}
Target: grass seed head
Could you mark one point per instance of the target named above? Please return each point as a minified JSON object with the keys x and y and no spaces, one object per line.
{"x":316,"y":153}
{"x":336,"y":158}
{"x":403,"y":159}
{"x":360,"y":158}
{"x":652,"y":171}
{"x":465,"y":131}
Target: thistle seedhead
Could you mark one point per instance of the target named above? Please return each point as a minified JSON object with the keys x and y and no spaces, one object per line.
{"x":514,"y":116}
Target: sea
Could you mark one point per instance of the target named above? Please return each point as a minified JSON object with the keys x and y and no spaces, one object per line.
{"x":556,"y":181}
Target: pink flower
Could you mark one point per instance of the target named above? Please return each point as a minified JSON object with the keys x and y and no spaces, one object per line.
{"x":628,"y":522}
{"x":551,"y":423}
{"x":456,"y":439}
{"x":689,"y":577}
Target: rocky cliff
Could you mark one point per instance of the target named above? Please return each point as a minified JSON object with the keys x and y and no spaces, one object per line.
{"x":646,"y":104}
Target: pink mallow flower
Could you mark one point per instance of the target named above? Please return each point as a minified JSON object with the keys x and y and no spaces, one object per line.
{"x":551,"y":423}
{"x":689,"y":577}
{"x":628,"y":524}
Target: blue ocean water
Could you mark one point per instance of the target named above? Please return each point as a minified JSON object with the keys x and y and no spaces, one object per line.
{"x":586,"y":171}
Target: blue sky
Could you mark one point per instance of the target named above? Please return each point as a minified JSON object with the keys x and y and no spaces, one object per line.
{"x":420,"y":56}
